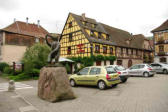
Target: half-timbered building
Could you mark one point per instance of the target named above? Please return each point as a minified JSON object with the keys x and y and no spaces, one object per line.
{"x":84,"y":36}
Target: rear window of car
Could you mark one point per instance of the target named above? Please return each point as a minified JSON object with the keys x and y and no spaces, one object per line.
{"x":94,"y":71}
{"x":110,"y":70}
{"x":119,"y":68}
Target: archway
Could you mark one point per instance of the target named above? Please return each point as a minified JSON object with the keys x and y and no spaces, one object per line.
{"x":129,"y":63}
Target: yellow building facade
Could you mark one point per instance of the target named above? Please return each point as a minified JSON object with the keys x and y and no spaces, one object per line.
{"x":161,"y":42}
{"x":80,"y":37}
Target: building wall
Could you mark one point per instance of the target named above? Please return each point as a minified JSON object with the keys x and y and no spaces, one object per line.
{"x":12,"y":53}
{"x":78,"y":44}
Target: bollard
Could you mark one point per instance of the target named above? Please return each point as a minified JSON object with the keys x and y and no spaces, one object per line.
{"x":11,"y":86}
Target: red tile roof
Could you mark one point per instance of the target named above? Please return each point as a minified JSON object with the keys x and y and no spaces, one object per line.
{"x":26,"y":29}
{"x":162,"y":27}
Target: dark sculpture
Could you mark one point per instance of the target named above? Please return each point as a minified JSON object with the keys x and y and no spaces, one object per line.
{"x":55,"y":47}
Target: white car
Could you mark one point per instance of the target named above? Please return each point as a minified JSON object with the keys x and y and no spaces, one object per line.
{"x":141,"y":70}
{"x":123,"y":73}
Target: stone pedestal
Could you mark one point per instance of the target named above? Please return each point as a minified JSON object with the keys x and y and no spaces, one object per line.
{"x":53,"y":84}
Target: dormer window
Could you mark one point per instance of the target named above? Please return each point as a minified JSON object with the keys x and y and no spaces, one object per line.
{"x":107,"y":37}
{"x":99,"y":35}
{"x":91,"y":33}
{"x":70,"y":25}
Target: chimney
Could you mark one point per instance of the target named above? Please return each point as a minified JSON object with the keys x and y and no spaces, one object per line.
{"x":27,"y":19}
{"x":38,"y":23}
{"x":83,"y":16}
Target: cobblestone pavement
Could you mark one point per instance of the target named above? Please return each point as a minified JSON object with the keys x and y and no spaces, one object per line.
{"x":137,"y":95}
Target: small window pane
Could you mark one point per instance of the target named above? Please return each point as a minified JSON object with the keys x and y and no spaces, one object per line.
{"x":84,"y":71}
{"x":95,"y":71}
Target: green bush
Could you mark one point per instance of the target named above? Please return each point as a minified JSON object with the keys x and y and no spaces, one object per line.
{"x":68,"y":68}
{"x":18,"y":77}
{"x":35,"y":57}
{"x":8,"y":70}
{"x":3,"y":65}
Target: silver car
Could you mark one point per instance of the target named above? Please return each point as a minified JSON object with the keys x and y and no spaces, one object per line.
{"x":141,"y":70}
{"x":160,"y":67}
{"x":121,"y":71}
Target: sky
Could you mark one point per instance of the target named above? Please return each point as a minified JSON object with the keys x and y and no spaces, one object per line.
{"x":134,"y":16}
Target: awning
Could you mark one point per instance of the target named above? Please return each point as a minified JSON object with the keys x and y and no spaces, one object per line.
{"x":61,"y":59}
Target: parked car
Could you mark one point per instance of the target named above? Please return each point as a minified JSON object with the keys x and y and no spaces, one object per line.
{"x":141,"y":70}
{"x":96,"y":76}
{"x":160,"y":67}
{"x":123,"y":73}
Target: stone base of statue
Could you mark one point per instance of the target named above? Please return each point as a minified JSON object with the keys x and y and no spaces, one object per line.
{"x":53,"y":84}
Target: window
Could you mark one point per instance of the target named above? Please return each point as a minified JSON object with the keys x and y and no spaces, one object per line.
{"x":95,"y":71}
{"x":163,"y":60}
{"x":111,"y":50}
{"x":70,"y":37}
{"x":127,"y":51}
{"x":104,"y":62}
{"x":97,"y":48}
{"x":132,"y":51}
{"x":91,"y":33}
{"x":107,"y":37}
{"x":137,"y":52}
{"x":70,"y":25}
{"x":84,"y":71}
{"x":98,"y":63}
{"x":111,"y":62}
{"x":104,"y":49}
{"x":110,"y":70}
{"x":99,"y":35}
{"x":69,"y":50}
{"x":141,"y":66}
{"x":161,"y":48}
{"x":119,"y":62}
{"x":121,"y":50}
{"x":135,"y":67}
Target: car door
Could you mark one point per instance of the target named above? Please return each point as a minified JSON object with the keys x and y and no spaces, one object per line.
{"x":140,"y":70}
{"x":133,"y":70}
{"x":93,"y":75}
{"x":81,"y":79}
{"x":156,"y":67}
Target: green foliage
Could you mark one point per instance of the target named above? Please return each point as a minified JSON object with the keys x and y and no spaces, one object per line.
{"x":68,"y":68}
{"x":35,"y":57}
{"x":18,"y":77}
{"x":8,"y":70}
{"x":88,"y":61}
{"x":3,"y":65}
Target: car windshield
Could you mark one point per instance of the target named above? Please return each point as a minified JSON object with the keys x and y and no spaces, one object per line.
{"x":120,"y":68}
{"x":110,"y":70}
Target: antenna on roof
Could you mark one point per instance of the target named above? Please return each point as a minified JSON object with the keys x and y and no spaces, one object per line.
{"x":38,"y":23}
{"x":27,"y":19}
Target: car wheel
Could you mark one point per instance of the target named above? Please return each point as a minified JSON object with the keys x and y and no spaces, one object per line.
{"x":165,"y":71}
{"x":72,"y":82}
{"x":146,"y":74}
{"x":101,"y":85}
{"x":124,"y":80}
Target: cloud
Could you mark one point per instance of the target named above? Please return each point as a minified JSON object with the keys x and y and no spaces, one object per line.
{"x":8,"y":4}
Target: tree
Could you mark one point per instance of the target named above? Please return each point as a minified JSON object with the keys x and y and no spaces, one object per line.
{"x":35,"y":57}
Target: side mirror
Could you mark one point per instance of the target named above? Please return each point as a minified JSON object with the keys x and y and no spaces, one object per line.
{"x":78,"y":73}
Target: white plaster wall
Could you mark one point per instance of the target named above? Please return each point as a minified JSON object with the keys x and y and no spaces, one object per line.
{"x":11,"y":53}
